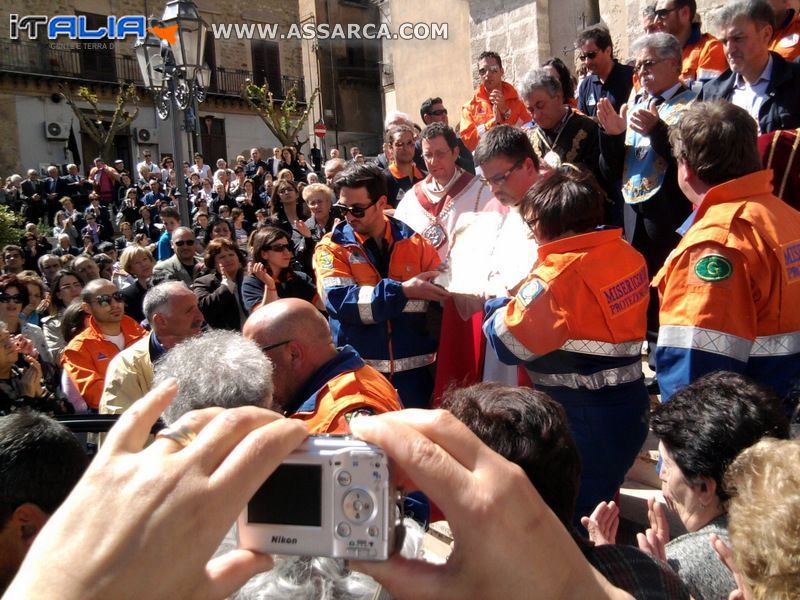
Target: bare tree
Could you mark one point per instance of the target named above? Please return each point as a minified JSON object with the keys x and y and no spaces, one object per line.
{"x":93,"y":122}
{"x":283,"y":118}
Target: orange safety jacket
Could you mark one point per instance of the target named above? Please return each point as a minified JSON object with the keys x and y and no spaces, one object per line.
{"x":342,"y":388}
{"x":786,"y":40}
{"x":578,"y":322}
{"x":477,"y":116}
{"x":703,"y":58}
{"x":87,"y":356}
{"x":368,"y":309}
{"x":730,"y":291}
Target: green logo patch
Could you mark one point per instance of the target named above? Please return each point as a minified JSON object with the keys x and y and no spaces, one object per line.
{"x":713,"y":267}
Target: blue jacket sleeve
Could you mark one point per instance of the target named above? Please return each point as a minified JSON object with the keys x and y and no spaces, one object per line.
{"x":252,"y":292}
{"x":678,"y":367}
{"x":366,"y":305}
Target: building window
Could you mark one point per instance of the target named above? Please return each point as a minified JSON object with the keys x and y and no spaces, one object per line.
{"x":267,"y":66}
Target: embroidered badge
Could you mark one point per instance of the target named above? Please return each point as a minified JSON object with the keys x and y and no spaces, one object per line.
{"x":713,"y":267}
{"x":530,"y":291}
{"x":325,"y":259}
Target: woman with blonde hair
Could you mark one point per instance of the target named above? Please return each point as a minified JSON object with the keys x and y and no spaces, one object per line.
{"x":138,"y":262}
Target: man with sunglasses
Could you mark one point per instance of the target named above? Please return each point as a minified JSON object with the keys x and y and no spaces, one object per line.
{"x":703,"y":54}
{"x":495,"y":102}
{"x":374,"y":275}
{"x":108,"y":331}
{"x":433,"y":111}
{"x":181,"y":265}
{"x":402,"y":173}
{"x":607,"y":78}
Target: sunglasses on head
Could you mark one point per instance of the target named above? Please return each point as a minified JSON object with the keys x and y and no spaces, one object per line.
{"x":181,"y":243}
{"x":104,"y":300}
{"x":356,"y":211}
{"x":16,"y":298}
{"x":484,"y":70}
{"x":587,"y":55}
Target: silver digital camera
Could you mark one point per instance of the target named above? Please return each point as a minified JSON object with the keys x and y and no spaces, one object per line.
{"x":333,"y":496}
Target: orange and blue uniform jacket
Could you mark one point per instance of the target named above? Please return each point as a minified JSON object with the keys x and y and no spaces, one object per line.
{"x":343,"y":387}
{"x":786,"y":40}
{"x":730,"y":291}
{"x":578,"y":322}
{"x":477,"y":116}
{"x":87,"y":356}
{"x":703,"y":58}
{"x":367,"y":308}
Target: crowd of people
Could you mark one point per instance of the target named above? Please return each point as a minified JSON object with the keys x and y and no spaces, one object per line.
{"x":515,"y":271}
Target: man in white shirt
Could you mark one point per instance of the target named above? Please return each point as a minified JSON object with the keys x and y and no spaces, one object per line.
{"x":147,"y":159}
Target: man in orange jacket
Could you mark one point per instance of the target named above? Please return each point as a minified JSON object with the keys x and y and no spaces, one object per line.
{"x":786,"y":39}
{"x":313,"y":380}
{"x":703,"y":54}
{"x":495,"y":102}
{"x":108,"y":331}
{"x":730,"y":290}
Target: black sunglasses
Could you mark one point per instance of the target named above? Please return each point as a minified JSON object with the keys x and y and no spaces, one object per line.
{"x":273,"y":346}
{"x":356,"y":211}
{"x":16,"y":298}
{"x":104,"y":300}
{"x":180,"y":243}
{"x":587,"y":56}
{"x":438,"y":113}
{"x":663,"y":13}
{"x":279,"y":247}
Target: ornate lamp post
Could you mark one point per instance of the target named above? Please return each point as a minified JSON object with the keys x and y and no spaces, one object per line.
{"x":177,"y":76}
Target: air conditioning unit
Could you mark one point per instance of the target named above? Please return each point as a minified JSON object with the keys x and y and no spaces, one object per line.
{"x":146,"y":136}
{"x":56,"y":130}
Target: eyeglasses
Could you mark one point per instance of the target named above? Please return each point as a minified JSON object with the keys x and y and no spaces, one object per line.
{"x":439,"y":112}
{"x":11,"y":256}
{"x":483,"y":70}
{"x":181,"y":243}
{"x":409,"y":144}
{"x":6,"y":298}
{"x":104,"y":300}
{"x":647,"y":64}
{"x":285,"y":190}
{"x":499,"y":180}
{"x":663,"y":13}
{"x":587,"y":56}
{"x":279,"y":247}
{"x":356,"y":211}
{"x":273,"y":346}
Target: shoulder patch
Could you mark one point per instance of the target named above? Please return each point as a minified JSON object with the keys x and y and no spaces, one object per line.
{"x":713,"y":267}
{"x":325,"y":258}
{"x":530,"y":291}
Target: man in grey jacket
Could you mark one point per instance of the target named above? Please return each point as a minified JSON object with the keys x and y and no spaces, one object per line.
{"x":181,"y":265}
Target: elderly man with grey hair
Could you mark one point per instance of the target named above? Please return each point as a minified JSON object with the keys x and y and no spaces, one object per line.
{"x":172,"y":311}
{"x":762,"y":82}
{"x":218,"y":368}
{"x":635,"y":147}
{"x":560,"y":134}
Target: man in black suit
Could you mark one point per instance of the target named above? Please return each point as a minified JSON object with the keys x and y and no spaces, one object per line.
{"x":433,"y":111}
{"x":32,"y":194}
{"x":55,"y":187}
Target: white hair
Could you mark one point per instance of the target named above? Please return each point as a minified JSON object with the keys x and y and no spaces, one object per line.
{"x":395,"y":117}
{"x":218,"y":368}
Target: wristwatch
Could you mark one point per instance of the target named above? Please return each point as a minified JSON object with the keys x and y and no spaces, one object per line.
{"x":507,"y":114}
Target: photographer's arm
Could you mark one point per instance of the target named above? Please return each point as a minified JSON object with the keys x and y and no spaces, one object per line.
{"x":170,"y":500}
{"x":508,"y":544}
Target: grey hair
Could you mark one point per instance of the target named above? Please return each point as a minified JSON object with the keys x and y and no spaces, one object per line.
{"x":218,"y":368}
{"x":540,"y":79}
{"x":158,"y":297}
{"x":395,"y":115}
{"x":665,"y":45}
{"x":317,"y":578}
{"x":758,"y":11}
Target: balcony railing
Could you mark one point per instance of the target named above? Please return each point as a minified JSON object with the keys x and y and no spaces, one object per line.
{"x":68,"y":63}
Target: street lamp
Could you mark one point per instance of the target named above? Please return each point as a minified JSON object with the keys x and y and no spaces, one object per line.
{"x":177,"y":76}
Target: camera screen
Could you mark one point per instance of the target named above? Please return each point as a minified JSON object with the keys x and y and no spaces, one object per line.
{"x":291,"y":496}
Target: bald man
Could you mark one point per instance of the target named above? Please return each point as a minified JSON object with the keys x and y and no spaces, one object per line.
{"x":313,"y":380}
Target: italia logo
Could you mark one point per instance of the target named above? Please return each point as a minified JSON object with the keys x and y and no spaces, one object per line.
{"x":713,"y":267}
